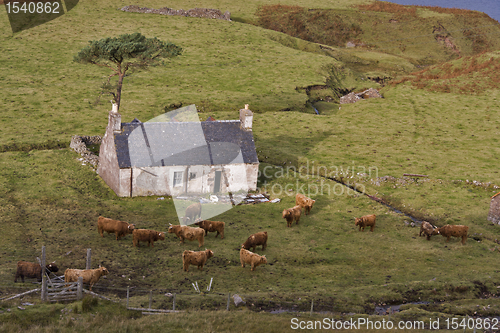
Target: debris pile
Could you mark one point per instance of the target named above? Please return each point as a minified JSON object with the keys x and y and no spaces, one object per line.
{"x":354,"y":97}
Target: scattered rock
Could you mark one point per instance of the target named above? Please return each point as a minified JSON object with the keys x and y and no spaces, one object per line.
{"x":237,"y":300}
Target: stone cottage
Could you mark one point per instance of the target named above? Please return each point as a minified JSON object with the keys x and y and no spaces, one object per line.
{"x":494,"y":213}
{"x":176,"y":154}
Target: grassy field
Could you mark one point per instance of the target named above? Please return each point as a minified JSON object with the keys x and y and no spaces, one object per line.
{"x":48,"y":198}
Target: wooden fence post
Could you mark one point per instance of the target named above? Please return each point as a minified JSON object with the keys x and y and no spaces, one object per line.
{"x":150,"y":298}
{"x":173,"y":308}
{"x":79,"y":289}
{"x":312,"y":303}
{"x":127,"y":295}
{"x":228,"y":300}
{"x":44,"y":278}
{"x":88,"y":266}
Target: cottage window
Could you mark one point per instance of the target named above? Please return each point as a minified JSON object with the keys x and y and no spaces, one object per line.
{"x":192,"y":175}
{"x":178,"y":178}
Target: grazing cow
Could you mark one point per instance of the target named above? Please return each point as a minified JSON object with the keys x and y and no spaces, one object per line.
{"x":304,"y":202}
{"x":365,"y":221}
{"x":212,"y":226}
{"x":90,"y":276}
{"x":193,"y":211}
{"x":292,"y":214}
{"x":198,"y":258}
{"x":259,"y":238}
{"x":32,"y":270}
{"x":247,"y":257}
{"x":145,"y":235}
{"x":453,"y":230}
{"x":119,"y":228}
{"x":427,"y":229}
{"x":189,"y":233}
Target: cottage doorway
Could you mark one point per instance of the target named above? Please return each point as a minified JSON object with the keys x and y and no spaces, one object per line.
{"x":218,"y":175}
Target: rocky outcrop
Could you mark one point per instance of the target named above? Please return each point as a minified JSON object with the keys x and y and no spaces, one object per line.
{"x":195,"y":12}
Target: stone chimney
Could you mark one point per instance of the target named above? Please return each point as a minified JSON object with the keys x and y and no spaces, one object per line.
{"x":115,"y":119}
{"x":246,"y":118}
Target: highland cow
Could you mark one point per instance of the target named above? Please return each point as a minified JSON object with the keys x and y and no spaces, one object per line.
{"x":259,"y":238}
{"x":292,"y":214}
{"x":90,"y":276}
{"x":32,"y":270}
{"x":212,"y":226}
{"x":247,"y":257}
{"x":145,"y":235}
{"x":198,"y":258}
{"x":453,"y":230}
{"x":304,"y":202}
{"x":119,"y":228}
{"x":365,"y":221}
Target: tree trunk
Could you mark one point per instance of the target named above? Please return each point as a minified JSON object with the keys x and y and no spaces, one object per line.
{"x":119,"y":89}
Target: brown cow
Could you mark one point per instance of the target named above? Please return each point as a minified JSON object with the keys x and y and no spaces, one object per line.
{"x":453,"y":230}
{"x":189,"y":233}
{"x":119,"y":228}
{"x":247,"y":257}
{"x":198,"y":258}
{"x":145,"y":235}
{"x":32,"y":270}
{"x":427,"y":229}
{"x":304,"y":202}
{"x":259,"y":238}
{"x":365,"y":221}
{"x":292,"y":214}
{"x":90,"y":276}
{"x":192,"y":212}
{"x":212,"y":226}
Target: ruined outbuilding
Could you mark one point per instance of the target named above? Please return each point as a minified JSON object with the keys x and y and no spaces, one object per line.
{"x":494,"y":213}
{"x":175,"y":156}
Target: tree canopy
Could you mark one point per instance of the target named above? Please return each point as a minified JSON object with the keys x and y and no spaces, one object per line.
{"x":128,"y":51}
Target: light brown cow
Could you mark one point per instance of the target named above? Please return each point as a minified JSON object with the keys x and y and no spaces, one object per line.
{"x":212,"y":226}
{"x":365,"y":221}
{"x":119,"y":228}
{"x":453,"y":230}
{"x":146,"y":235}
{"x":198,"y":258}
{"x":193,"y":211}
{"x":292,"y":214}
{"x":189,"y":233}
{"x":427,"y":229}
{"x":247,"y":257}
{"x":304,"y":202}
{"x":259,"y":238}
{"x":90,"y":276}
{"x":32,"y":270}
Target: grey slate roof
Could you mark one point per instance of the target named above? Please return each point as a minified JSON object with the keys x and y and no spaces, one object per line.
{"x":184,"y":143}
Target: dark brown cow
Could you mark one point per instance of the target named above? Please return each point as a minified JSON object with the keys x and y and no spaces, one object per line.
{"x":119,"y":228}
{"x":212,"y":226}
{"x":32,"y":270}
{"x":259,"y":238}
{"x":146,"y":235}
{"x":193,"y":211}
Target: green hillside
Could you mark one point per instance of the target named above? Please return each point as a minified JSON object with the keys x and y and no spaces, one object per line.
{"x":439,"y":117}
